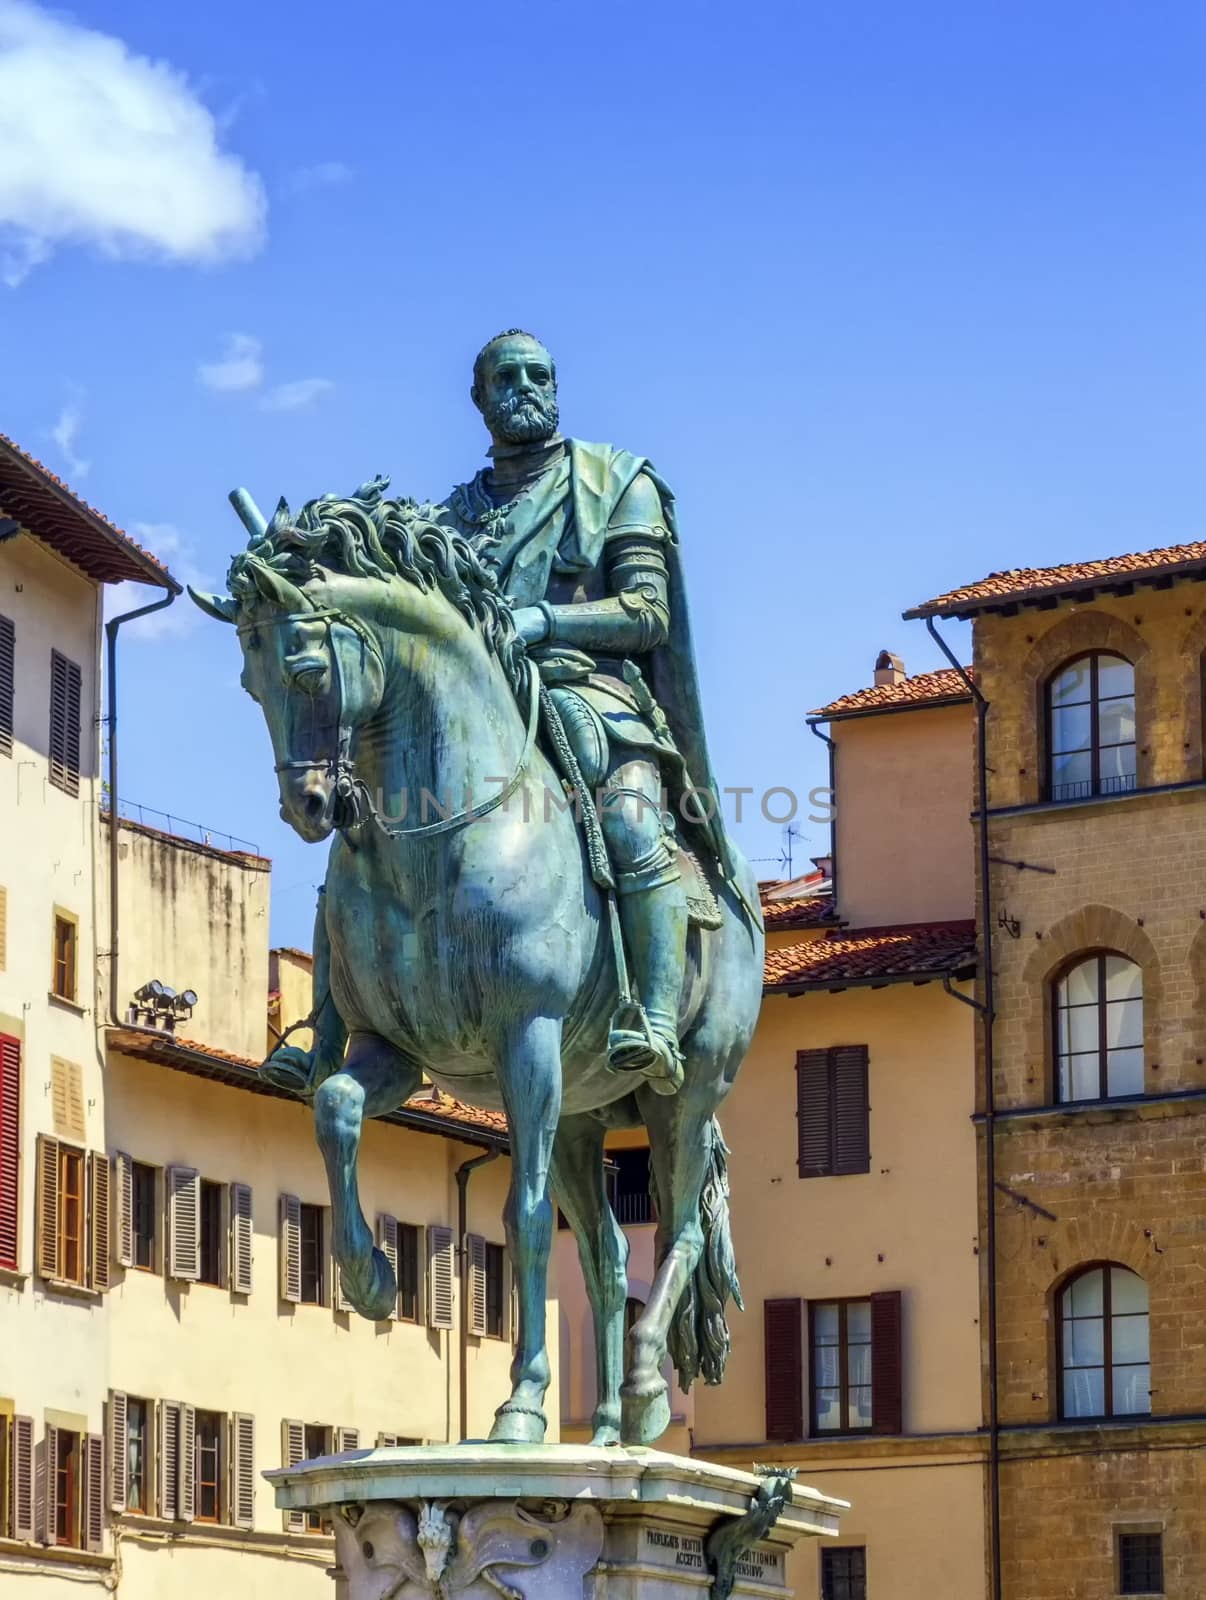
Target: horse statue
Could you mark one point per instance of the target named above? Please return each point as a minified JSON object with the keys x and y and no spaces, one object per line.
{"x":475,"y":948}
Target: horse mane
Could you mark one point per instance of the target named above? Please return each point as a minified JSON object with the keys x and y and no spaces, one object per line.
{"x":367,"y":536}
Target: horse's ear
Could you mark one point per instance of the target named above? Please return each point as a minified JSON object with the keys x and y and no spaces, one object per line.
{"x":219,"y":606}
{"x":278,"y":589}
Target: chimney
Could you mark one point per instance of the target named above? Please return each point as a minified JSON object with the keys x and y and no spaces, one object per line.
{"x":889,"y":669}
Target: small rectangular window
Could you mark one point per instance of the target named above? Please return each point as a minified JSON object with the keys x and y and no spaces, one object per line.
{"x":628,"y":1186}
{"x":313,"y":1260}
{"x":844,"y":1573}
{"x":839,"y":1336}
{"x":208,"y":1469}
{"x":145,"y":1218}
{"x":138,"y":1455}
{"x":496,"y":1275}
{"x":64,"y":1471}
{"x":1141,"y":1563}
{"x":65,"y":684}
{"x":408,"y":1272}
{"x":211,"y":1234}
{"x":63,"y":973}
{"x":320,"y":1441}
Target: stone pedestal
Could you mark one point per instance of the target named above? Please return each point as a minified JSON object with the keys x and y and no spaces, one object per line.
{"x":553,"y":1522}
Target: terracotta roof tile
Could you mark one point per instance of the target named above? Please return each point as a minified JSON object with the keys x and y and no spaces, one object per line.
{"x":54,"y":513}
{"x":1025,"y":584}
{"x":801,"y":911}
{"x":900,"y":954}
{"x":942,"y":687}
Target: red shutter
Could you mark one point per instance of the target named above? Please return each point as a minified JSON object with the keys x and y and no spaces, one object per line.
{"x":10,"y":1149}
{"x":887,"y":1371}
{"x":7,"y":684}
{"x":851,"y":1116}
{"x":813,"y":1143}
{"x":783,"y":1329}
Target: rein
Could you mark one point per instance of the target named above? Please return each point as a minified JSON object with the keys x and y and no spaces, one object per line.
{"x":348,"y":786}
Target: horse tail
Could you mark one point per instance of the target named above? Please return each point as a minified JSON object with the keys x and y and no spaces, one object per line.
{"x":698,"y":1341}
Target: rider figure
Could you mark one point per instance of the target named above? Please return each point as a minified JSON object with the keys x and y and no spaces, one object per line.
{"x":583,"y":538}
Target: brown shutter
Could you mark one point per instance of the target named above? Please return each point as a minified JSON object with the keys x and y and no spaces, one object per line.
{"x":98,"y":1221}
{"x":7,"y":685}
{"x":241,"y":1239}
{"x":783,"y":1334}
{"x":439,"y":1276}
{"x":293,"y":1451}
{"x":887,"y":1385}
{"x":169,"y":1459}
{"x":46,"y":1221}
{"x":184,"y":1223}
{"x":92,"y":1500}
{"x":65,"y":682}
{"x":21,"y":1479}
{"x":290,"y":1249}
{"x":242,"y":1470}
{"x":511,"y":1330}
{"x":123,"y":1221}
{"x":387,"y":1243}
{"x":814,"y":1154}
{"x":10,"y":1151}
{"x":851,"y":1132}
{"x":117,"y":1417}
{"x":476,"y":1246}
{"x":186,"y":1492}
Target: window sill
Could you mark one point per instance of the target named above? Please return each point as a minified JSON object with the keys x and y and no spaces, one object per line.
{"x":12,"y":1278}
{"x":1055,"y":806}
{"x":74,"y":1291}
{"x":64,"y":1004}
{"x":1122,"y":1108}
{"x":58,"y":1554}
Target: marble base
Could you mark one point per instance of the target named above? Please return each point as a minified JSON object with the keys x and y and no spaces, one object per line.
{"x":553,"y":1522}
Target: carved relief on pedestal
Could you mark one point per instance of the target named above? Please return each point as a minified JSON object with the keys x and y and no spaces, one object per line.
{"x":431,"y":1550}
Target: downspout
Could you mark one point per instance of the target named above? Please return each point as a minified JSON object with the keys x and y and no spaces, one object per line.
{"x":111,"y":628}
{"x":814,"y":727}
{"x":463,"y":1173}
{"x":986,"y":1010}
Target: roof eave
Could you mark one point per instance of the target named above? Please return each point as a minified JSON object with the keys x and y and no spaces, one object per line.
{"x":937,"y":704}
{"x":1047,"y":598}
{"x":883,"y":980}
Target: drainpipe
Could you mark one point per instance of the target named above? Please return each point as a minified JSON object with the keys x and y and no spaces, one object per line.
{"x":463,"y":1173}
{"x":814,"y":727}
{"x":986,"y":1010}
{"x":111,"y":628}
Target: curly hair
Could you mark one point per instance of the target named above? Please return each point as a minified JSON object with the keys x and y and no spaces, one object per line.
{"x":479,"y":361}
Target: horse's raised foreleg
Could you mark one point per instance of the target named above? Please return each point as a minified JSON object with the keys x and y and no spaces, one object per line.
{"x":579,"y":1185}
{"x":529,"y":1074}
{"x":680,"y":1149}
{"x":373,"y":1078}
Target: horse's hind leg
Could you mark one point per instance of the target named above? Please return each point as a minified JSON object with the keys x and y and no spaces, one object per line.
{"x":529,"y":1074}
{"x":374,"y":1078}
{"x":579,"y":1185}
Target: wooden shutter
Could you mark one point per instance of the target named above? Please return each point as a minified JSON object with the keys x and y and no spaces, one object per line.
{"x":783,"y":1335}
{"x":290,"y":1250}
{"x":293,"y":1452}
{"x":7,"y":684}
{"x":186,"y":1501}
{"x":813,"y":1114}
{"x":476,"y":1247}
{"x":184,"y":1223}
{"x":117,"y":1418}
{"x":511,"y":1303}
{"x":92,"y":1498}
{"x":339,"y":1297}
{"x":46,"y":1221}
{"x":10,"y":1150}
{"x":123,"y":1217}
{"x":851,"y":1133}
{"x":242,"y":1470}
{"x":21,"y":1478}
{"x":241,"y":1239}
{"x":887,"y":1372}
{"x":387,"y":1243}
{"x":98,"y":1220}
{"x":346,"y":1439}
{"x":67,"y":1098}
{"x":169,"y":1459}
{"x":65,"y":683}
{"x":439,"y":1276}
{"x":46,"y":1461}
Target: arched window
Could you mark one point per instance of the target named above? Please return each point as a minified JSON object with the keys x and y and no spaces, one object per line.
{"x":1105,"y":1367}
{"x":1099,"y":1029}
{"x":1091,"y":727}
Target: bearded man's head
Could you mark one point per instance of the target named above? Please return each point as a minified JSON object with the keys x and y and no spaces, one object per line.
{"x":515,"y":388}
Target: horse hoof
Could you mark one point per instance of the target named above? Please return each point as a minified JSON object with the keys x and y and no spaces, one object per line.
{"x":645,"y":1417}
{"x":607,"y":1434}
{"x":377,"y":1303}
{"x":517,"y":1425}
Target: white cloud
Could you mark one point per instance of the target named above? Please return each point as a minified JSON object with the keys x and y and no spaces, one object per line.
{"x":175,"y":550}
{"x":240,"y":366}
{"x":102,"y":147}
{"x":296,"y":396}
{"x":322,"y":175}
{"x":65,"y":433}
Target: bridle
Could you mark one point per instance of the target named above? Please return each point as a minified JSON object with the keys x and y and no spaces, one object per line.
{"x":347,"y":787}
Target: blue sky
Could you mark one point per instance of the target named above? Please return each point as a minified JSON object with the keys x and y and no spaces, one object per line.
{"x":894,"y":294}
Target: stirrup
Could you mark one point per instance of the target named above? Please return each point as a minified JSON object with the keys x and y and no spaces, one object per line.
{"x":644,"y":1051}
